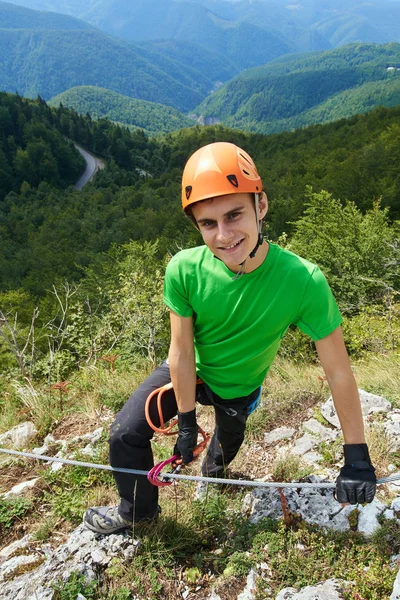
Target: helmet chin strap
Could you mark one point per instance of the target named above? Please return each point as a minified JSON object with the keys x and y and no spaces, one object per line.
{"x":260,"y":240}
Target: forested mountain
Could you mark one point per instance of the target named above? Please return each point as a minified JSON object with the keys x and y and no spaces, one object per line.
{"x":189,"y":62}
{"x":48,"y":233}
{"x":100,"y":103}
{"x":248,"y":32}
{"x":58,"y":53}
{"x":299,"y":90}
{"x":16,"y":17}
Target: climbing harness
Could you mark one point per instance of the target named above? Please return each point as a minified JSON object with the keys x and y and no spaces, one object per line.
{"x":175,"y":460}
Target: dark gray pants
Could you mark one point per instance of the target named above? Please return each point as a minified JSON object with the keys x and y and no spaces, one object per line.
{"x":130,"y":438}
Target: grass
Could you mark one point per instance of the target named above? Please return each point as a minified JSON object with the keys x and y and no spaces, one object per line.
{"x":207,"y":544}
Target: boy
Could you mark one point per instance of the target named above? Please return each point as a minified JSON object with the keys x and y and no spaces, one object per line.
{"x":231,"y":301}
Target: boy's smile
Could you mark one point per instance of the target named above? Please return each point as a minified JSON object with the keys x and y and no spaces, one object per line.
{"x":228,"y":226}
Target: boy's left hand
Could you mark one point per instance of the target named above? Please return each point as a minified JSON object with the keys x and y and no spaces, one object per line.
{"x":356,"y":483}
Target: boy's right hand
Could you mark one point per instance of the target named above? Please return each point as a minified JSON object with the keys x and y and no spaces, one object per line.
{"x":187,"y":436}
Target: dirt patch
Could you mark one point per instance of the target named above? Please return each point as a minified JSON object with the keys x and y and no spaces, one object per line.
{"x":73,"y":425}
{"x":14,"y":474}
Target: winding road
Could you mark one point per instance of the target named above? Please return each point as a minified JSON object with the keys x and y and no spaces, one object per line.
{"x":93,"y":164}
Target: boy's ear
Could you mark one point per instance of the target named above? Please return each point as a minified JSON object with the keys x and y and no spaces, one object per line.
{"x":262,"y":205}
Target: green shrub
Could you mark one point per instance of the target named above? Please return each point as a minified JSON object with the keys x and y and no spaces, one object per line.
{"x":11,"y":510}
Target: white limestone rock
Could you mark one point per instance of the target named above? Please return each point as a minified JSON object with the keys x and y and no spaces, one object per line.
{"x":304,"y":444}
{"x":21,"y":488}
{"x":322,"y":433}
{"x":13,"y":564}
{"x":83,"y":553}
{"x":328,"y":590}
{"x":395,"y":506}
{"x":279,"y":434}
{"x":368,"y":517}
{"x":394,"y":486}
{"x":14,"y":547}
{"x":250,"y":589}
{"x":19,"y":436}
{"x":370,"y":403}
{"x":312,"y":458}
{"x":395,"y":595}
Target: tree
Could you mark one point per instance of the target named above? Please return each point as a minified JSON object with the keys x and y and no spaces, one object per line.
{"x":354,"y":250}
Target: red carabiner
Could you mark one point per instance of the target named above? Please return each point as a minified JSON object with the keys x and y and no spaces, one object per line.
{"x":153,"y":474}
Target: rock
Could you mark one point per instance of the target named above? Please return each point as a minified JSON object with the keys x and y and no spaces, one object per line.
{"x":389,"y":514}
{"x":279,"y":434}
{"x":16,"y":546}
{"x":322,"y":433}
{"x":328,"y":590}
{"x":19,"y":436}
{"x":395,"y":506}
{"x":370,"y":403}
{"x":40,"y":451}
{"x":312,"y":458}
{"x":214,"y":596}
{"x":21,"y":488}
{"x":315,"y":505}
{"x":392,"y":429}
{"x":286,"y":593}
{"x":15,"y":563}
{"x":367,"y":519}
{"x":395,"y":595}
{"x":83,"y":553}
{"x":304,"y":444}
{"x":394,"y":486}
{"x":249,"y":591}
{"x":88,"y":450}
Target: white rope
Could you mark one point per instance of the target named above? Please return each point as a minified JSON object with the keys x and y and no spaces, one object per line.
{"x":241,"y":482}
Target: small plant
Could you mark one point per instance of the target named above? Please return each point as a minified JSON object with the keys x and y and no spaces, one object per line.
{"x":381,"y":446}
{"x":289,"y":468}
{"x":239,"y":565}
{"x":44,"y":530}
{"x":76,"y":584}
{"x":386,"y":539}
{"x":330,"y":452}
{"x":12,"y":510}
{"x":193,"y":575}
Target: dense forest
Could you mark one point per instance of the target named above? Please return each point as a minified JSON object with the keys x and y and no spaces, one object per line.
{"x":302,"y":89}
{"x":354,"y":159}
{"x":153,"y":118}
{"x":116,"y":234}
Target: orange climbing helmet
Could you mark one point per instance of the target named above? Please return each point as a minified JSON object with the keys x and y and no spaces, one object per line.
{"x":218,"y":169}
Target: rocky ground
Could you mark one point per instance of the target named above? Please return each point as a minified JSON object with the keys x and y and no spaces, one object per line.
{"x":28,"y":568}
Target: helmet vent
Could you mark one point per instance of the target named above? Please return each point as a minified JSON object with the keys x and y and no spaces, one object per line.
{"x":233,"y":180}
{"x":188,"y":191}
{"x":245,"y":172}
{"x":245,"y":158}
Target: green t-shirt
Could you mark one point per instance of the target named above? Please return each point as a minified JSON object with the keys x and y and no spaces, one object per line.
{"x":238,"y":324}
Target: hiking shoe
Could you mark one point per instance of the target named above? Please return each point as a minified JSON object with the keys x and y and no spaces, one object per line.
{"x":105,"y":520}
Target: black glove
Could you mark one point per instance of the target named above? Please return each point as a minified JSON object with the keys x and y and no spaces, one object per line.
{"x":357,"y":481}
{"x":187,"y":436}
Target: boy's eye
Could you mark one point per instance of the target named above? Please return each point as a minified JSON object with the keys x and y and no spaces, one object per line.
{"x":234,"y":215}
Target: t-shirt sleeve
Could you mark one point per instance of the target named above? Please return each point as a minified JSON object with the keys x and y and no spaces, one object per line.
{"x":175,"y":295}
{"x":318,"y":314}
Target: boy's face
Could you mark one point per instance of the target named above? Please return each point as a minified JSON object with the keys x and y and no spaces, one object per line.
{"x":228,"y":226}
